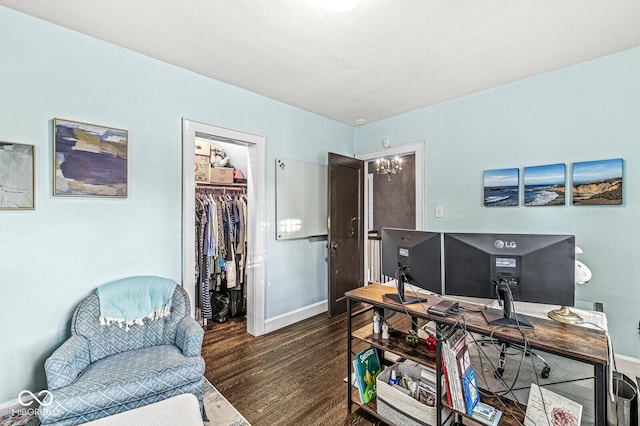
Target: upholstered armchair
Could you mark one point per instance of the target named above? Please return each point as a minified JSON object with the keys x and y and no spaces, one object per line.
{"x":113,"y":362}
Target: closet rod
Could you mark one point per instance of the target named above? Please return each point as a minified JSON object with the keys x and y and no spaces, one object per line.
{"x":224,"y":188}
{"x":220,"y":185}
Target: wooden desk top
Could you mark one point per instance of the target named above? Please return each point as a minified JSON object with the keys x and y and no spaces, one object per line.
{"x":571,"y":341}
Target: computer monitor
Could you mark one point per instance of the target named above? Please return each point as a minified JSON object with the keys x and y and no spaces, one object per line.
{"x":413,"y":257}
{"x":534,"y":268}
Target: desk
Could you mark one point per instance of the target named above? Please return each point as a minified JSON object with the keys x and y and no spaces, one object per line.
{"x":569,"y":341}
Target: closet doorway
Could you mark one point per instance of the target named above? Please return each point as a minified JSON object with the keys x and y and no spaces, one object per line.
{"x":248,"y":150}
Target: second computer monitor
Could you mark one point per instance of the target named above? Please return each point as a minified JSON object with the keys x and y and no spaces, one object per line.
{"x":414,"y":255}
{"x":536,"y":267}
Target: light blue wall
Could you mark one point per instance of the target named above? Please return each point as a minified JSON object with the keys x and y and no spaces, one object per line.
{"x":585,"y":112}
{"x":299,"y":277}
{"x":54,"y":256}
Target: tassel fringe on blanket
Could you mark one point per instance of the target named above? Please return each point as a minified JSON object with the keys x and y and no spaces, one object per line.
{"x":157,"y":314}
{"x":129,"y":301}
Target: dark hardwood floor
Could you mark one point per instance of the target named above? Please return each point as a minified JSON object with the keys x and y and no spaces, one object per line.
{"x":293,"y":376}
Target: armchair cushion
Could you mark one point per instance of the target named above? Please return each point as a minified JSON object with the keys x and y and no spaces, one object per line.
{"x":124,"y":379}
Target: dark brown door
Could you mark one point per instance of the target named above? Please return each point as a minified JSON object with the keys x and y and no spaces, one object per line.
{"x":346,"y":229}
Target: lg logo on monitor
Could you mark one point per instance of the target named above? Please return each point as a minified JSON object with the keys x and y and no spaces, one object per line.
{"x":504,"y":244}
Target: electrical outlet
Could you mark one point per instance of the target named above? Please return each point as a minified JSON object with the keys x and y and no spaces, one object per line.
{"x":439,"y":211}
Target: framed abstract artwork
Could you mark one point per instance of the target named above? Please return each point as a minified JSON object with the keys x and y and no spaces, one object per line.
{"x":597,"y":182}
{"x":545,"y":185}
{"x":501,"y":187}
{"x":17,"y":176}
{"x":89,"y":160}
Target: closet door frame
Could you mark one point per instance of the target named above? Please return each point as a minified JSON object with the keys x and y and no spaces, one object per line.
{"x":256,"y":232}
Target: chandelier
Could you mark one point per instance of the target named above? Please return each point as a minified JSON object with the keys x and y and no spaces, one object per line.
{"x":388,"y":166}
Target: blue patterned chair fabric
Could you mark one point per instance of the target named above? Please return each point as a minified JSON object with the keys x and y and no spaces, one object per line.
{"x":102,"y":370}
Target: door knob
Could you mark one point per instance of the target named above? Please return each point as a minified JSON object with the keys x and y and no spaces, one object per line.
{"x":334,"y":246}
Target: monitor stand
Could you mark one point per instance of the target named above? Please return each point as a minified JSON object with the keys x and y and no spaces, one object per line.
{"x":401,"y":298}
{"x":506,"y":318}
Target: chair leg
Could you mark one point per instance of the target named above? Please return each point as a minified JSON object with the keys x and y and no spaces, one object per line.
{"x":501,"y":361}
{"x":498,"y":372}
{"x":546,"y":370}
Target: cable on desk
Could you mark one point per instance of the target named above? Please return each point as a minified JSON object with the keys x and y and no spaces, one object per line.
{"x":424,"y":307}
{"x":526,"y":348}
{"x":611,"y":366}
{"x":509,"y":389}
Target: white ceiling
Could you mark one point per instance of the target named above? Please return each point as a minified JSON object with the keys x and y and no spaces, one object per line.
{"x":383,"y":58}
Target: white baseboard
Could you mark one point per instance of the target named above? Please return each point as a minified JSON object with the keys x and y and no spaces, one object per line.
{"x":14,"y":405}
{"x":293,"y":317}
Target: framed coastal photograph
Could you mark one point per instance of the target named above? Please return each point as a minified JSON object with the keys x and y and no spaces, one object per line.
{"x":545,"y":185}
{"x":501,"y":187}
{"x":597,"y":182}
{"x":17,"y":176}
{"x":89,"y":160}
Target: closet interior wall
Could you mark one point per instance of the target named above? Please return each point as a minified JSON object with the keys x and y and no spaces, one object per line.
{"x":221,"y":251}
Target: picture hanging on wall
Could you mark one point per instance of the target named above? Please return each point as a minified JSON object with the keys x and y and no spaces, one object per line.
{"x":545,"y":185}
{"x":89,"y":160}
{"x":17,"y":176}
{"x":501,"y":187}
{"x":597,"y":182}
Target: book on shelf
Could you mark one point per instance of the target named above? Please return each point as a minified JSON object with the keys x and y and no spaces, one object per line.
{"x":455,"y":357}
{"x":366,"y":367}
{"x":455,"y":335}
{"x":426,"y":393}
{"x":463,"y":359}
{"x":486,"y":414}
{"x":445,"y":372}
{"x":470,"y":389}
{"x":547,"y":407}
{"x":428,"y":375}
{"x":450,"y":374}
